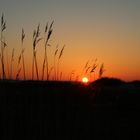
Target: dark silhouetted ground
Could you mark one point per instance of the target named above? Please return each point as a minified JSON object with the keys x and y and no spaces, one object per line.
{"x":105,"y":109}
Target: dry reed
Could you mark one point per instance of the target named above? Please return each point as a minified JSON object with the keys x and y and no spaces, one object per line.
{"x":55,"y":54}
{"x":17,"y":75}
{"x":12,"y":59}
{"x":22,"y":52}
{"x":101,"y":70}
{"x":59,"y":57}
{"x":36,"y":40}
{"x":3,"y":27}
{"x":47,"y":35}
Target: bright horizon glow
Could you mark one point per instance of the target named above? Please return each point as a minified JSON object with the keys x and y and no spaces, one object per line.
{"x":85,"y":80}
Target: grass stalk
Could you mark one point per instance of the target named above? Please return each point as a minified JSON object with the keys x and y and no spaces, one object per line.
{"x":18,"y":73}
{"x":12,"y":59}
{"x":47,"y":35}
{"x":50,"y":72}
{"x":33,"y":67}
{"x":36,"y":67}
{"x":93,"y":68}
{"x":8,"y":73}
{"x":60,"y":55}
{"x":36,"y":40}
{"x":22,"y":53}
{"x":3,"y":27}
{"x":101,"y":70}
{"x":55,"y":54}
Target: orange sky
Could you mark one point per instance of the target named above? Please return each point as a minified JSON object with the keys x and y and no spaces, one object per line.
{"x":106,"y":30}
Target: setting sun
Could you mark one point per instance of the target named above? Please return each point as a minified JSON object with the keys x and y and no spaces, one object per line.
{"x":85,"y":80}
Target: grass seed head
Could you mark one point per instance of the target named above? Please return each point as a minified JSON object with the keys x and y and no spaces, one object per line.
{"x":23,"y":35}
{"x":46,"y":28}
{"x":61,"y":53}
{"x":101,"y":70}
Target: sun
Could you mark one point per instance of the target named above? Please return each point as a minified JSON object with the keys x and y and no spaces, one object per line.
{"x":85,"y":80}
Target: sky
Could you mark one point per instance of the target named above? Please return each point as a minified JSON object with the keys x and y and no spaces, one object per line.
{"x":108,"y":30}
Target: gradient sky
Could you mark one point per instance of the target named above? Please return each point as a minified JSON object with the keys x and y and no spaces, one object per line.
{"x":108,"y":30}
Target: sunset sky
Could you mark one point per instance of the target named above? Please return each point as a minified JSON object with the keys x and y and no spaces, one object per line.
{"x":108,"y":30}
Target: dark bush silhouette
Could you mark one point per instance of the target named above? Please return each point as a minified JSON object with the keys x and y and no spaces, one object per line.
{"x":108,"y":82}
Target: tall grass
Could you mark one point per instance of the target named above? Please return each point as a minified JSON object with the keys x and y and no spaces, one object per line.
{"x":71,"y":75}
{"x":93,"y":68}
{"x":60,"y":55}
{"x":11,"y":65}
{"x":84,"y":68}
{"x":36,"y":40}
{"x":8,"y":72}
{"x":101,"y":70}
{"x":47,"y":36}
{"x":18,"y":66}
{"x":45,"y":53}
{"x":18,"y":73}
{"x":88,"y":69}
{"x":50,"y":71}
{"x":3,"y":27}
{"x":4,"y":47}
{"x":22,"y":52}
{"x":55,"y":54}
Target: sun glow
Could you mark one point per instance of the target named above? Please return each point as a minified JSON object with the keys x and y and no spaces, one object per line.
{"x":85,"y":80}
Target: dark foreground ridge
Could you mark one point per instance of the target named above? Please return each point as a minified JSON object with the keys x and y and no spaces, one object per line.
{"x":105,"y":109}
